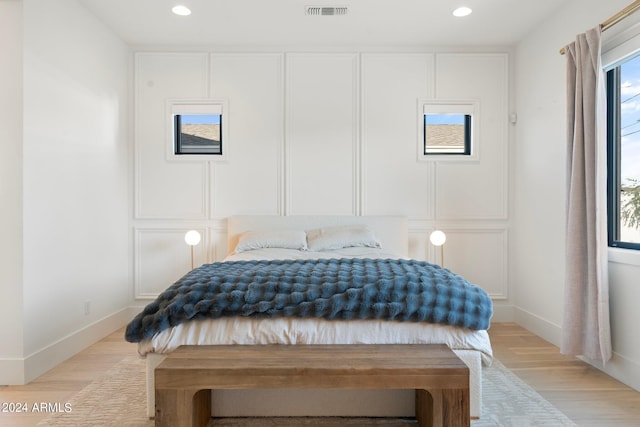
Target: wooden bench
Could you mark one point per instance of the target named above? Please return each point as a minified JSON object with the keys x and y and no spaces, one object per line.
{"x":183,"y":381}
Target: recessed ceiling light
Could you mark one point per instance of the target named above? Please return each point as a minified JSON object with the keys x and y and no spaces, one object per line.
{"x":462,"y":11}
{"x":181,"y":10}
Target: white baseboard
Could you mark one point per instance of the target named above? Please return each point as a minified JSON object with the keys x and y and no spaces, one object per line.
{"x":22,"y":371}
{"x":41,"y":361}
{"x":541,"y":327}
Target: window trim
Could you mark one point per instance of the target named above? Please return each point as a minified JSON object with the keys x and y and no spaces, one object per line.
{"x":461,"y":107}
{"x":196,"y":106}
{"x":619,"y":44}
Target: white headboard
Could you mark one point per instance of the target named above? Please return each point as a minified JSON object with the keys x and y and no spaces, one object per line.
{"x":392,"y":231}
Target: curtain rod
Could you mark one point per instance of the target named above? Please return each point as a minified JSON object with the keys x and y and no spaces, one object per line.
{"x":624,"y":13}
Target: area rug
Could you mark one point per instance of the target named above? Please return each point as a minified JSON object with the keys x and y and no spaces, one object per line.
{"x":118,"y":399}
{"x":508,"y":401}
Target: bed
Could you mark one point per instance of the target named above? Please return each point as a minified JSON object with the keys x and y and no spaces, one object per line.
{"x":296,"y":239}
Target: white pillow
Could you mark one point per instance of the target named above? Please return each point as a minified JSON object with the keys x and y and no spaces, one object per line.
{"x":286,"y":239}
{"x":331,"y":238}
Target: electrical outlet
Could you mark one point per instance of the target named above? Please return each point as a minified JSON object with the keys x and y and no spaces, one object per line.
{"x":87,"y":308}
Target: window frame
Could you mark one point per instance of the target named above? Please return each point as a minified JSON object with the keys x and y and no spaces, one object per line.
{"x":177,"y":138}
{"x":176,"y":107}
{"x":614,"y":141}
{"x":469,"y":108}
{"x":468,"y":128}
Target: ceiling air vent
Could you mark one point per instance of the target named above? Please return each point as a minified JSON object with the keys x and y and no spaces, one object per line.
{"x":326,"y":11}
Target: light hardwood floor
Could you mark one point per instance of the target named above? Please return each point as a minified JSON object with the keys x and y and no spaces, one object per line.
{"x":583,"y":393}
{"x":61,"y":383}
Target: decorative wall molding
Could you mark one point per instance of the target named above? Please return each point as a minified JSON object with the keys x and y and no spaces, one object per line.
{"x":368,"y":182}
{"x":360,"y":163}
{"x":143,"y":81}
{"x":170,"y":260}
{"x":254,"y":84}
{"x":202,"y":214}
{"x":497,"y":133}
{"x":465,"y":259}
{"x":217,"y":242}
{"x":391,"y":110}
{"x":293,"y":63}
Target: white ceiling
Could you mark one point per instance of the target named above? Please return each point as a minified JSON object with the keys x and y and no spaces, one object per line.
{"x":283,"y":22}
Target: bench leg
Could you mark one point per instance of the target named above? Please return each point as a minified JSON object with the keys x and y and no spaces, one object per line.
{"x":443,"y":408}
{"x":183,"y":408}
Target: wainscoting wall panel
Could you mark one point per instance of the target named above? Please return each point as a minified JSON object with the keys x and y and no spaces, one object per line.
{"x":394,"y":182}
{"x":250,"y":181}
{"x":167,"y":189}
{"x":322,"y":133}
{"x":474,"y":191}
{"x":162,"y":257}
{"x":480,"y":255}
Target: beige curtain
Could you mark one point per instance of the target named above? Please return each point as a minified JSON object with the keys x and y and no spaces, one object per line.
{"x":585,"y":327}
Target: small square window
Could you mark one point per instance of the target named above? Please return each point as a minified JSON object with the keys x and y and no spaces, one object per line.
{"x":447,"y":134}
{"x":197,"y":130}
{"x":198,"y":133}
{"x":448,"y":130}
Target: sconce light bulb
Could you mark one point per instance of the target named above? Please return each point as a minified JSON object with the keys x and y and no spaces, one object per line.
{"x":438,"y":238}
{"x":192,"y":237}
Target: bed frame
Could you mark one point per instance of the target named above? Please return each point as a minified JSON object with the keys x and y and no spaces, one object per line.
{"x":392,"y":231}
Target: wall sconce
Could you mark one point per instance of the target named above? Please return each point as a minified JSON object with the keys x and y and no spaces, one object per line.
{"x":192,"y":238}
{"x":438,"y":238}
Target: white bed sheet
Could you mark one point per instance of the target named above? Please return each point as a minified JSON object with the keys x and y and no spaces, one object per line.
{"x":245,"y":331}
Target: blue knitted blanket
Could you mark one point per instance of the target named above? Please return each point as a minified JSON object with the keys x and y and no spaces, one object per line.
{"x":401,"y":290}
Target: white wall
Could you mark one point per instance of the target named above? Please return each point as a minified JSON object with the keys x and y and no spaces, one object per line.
{"x":11,"y":306}
{"x":538,"y":171}
{"x":75,"y":194}
{"x":322,"y":133}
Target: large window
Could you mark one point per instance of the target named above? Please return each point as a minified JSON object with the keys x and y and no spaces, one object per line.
{"x":623,"y":135}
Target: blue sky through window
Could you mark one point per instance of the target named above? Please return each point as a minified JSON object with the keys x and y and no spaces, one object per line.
{"x":444,"y":119}
{"x":199,"y":119}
